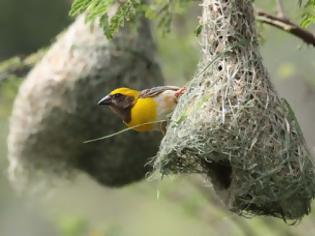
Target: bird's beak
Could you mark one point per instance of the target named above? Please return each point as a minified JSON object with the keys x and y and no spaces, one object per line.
{"x":105,"y":101}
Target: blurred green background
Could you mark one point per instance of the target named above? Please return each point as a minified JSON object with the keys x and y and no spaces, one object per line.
{"x":175,"y":206}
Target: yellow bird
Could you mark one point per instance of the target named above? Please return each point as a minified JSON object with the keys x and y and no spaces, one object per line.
{"x":147,"y":107}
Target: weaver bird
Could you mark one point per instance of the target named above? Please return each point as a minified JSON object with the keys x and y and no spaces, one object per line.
{"x":143,"y":110}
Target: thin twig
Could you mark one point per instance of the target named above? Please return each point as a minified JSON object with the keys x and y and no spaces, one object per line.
{"x":19,"y":66}
{"x":280,"y":9}
{"x":287,"y":26}
{"x":123,"y":131}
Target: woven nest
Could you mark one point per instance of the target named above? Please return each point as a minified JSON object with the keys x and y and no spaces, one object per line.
{"x":232,"y":127}
{"x":56,"y":109}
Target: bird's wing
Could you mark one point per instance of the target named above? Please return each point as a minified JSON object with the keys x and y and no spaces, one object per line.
{"x":152,"y":92}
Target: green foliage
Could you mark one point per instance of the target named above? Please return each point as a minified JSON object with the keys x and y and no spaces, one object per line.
{"x":286,"y":70}
{"x":12,"y":71}
{"x":8,"y":90}
{"x":164,"y":10}
{"x":76,"y":225}
{"x":73,"y":226}
{"x":198,"y":30}
{"x":98,"y":9}
{"x":17,"y":66}
{"x":308,"y":16}
{"x":127,"y":11}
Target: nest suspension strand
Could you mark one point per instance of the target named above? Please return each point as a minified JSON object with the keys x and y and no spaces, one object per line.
{"x":232,"y":126}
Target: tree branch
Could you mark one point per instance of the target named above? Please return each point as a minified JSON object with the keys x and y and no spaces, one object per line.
{"x":287,"y":26}
{"x":19,"y":66}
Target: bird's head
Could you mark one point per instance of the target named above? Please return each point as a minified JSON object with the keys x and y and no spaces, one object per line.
{"x":120,"y":101}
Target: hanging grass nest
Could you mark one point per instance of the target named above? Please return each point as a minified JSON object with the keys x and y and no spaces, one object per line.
{"x":232,"y":127}
{"x":56,"y":109}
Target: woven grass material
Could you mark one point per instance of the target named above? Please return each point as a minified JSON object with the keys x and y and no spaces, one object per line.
{"x":232,"y":126}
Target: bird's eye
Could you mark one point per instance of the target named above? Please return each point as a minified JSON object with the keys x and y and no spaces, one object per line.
{"x":118,"y":95}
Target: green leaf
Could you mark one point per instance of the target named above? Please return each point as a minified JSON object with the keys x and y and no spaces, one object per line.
{"x":308,"y":16}
{"x":78,"y":6}
{"x":126,"y":12}
{"x":198,"y":30}
{"x":93,"y":8}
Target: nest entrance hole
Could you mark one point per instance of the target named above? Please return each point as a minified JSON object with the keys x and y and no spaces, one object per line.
{"x":220,"y":173}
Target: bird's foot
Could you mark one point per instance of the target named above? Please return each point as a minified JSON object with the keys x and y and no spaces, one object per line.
{"x":180,"y":92}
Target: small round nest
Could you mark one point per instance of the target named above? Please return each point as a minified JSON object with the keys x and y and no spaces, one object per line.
{"x":232,"y":127}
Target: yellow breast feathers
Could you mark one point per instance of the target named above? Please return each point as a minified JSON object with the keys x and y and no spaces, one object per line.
{"x":144,"y":111}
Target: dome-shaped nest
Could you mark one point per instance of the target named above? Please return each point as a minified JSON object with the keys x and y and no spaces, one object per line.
{"x":232,"y":126}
